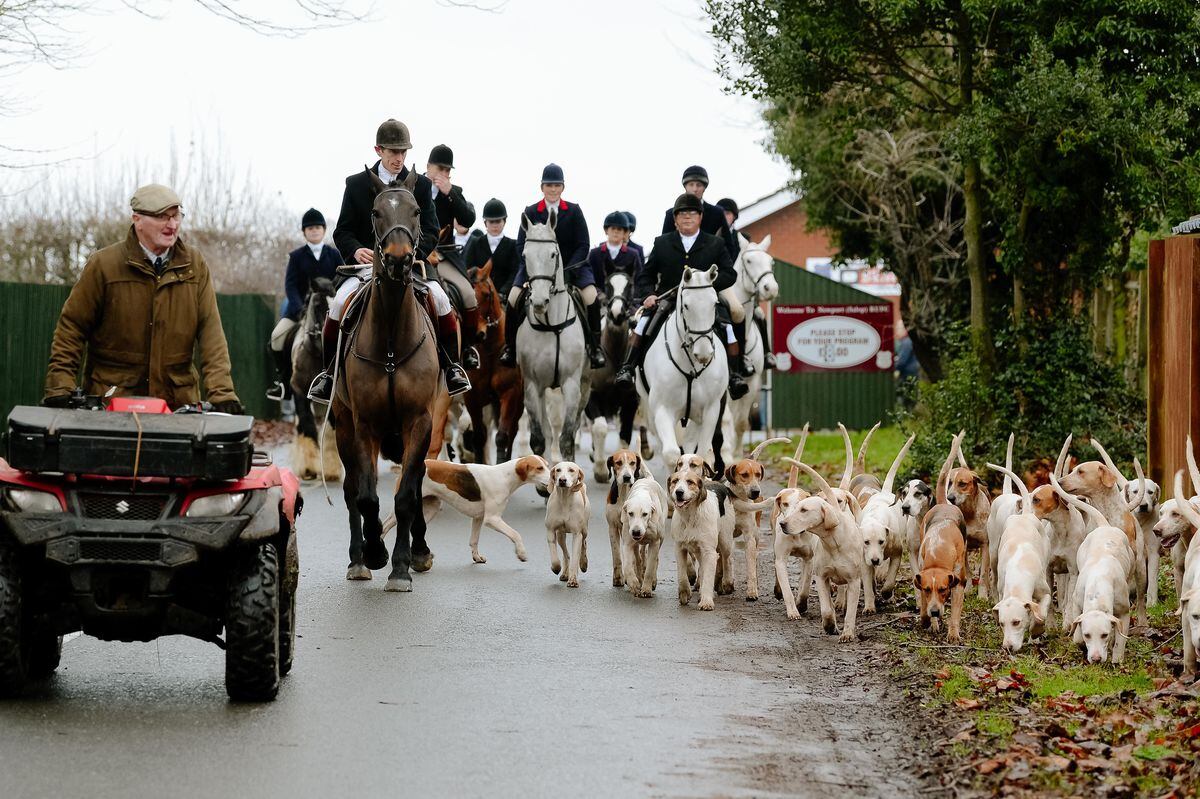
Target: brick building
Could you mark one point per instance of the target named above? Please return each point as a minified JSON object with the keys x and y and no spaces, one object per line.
{"x":781,"y":214}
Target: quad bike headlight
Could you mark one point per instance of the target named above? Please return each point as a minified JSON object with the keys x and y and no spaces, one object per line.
{"x":216,"y":505}
{"x":30,"y":500}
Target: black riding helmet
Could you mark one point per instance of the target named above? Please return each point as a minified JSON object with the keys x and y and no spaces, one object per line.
{"x":616,"y":219}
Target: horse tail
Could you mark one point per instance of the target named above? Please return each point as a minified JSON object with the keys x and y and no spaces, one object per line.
{"x":392,"y":447}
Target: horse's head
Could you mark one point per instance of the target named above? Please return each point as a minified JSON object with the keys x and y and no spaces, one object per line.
{"x":396,"y":219}
{"x":698,"y":312}
{"x":543,"y":267}
{"x":757,"y":270}
{"x":618,"y":288}
{"x":486,"y":297}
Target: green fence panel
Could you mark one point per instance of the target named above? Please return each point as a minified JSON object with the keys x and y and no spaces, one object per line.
{"x":857,"y":399}
{"x":29,"y":313}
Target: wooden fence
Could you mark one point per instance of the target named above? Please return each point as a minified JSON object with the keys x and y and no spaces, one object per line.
{"x":29,"y":312}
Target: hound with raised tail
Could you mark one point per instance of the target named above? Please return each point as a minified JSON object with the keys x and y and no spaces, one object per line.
{"x":792,"y":541}
{"x":864,"y":485}
{"x":1100,"y":485}
{"x":481,"y":493}
{"x":969,"y":493}
{"x":625,"y":467}
{"x":883,"y":528}
{"x":943,"y":558}
{"x":703,"y":532}
{"x":1189,"y":589}
{"x":1102,"y":592}
{"x":837,"y":557}
{"x":567,"y":514}
{"x":1173,"y":529}
{"x":744,"y":480}
{"x":1066,"y":528}
{"x":1021,"y":571}
{"x":643,"y":525}
{"x":1145,"y":514}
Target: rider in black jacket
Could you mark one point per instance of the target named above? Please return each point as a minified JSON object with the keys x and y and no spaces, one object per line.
{"x":686,"y":246}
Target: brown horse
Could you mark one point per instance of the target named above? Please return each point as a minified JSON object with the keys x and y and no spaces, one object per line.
{"x":381,"y":403}
{"x":492,"y":385}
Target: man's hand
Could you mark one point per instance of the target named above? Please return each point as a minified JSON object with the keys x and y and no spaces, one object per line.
{"x":231,"y":407}
{"x":364,"y":255}
{"x":57,"y":401}
{"x":650,"y":301}
{"x":443,"y":184}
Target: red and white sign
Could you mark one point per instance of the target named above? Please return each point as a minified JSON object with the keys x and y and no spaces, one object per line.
{"x":833,"y":338}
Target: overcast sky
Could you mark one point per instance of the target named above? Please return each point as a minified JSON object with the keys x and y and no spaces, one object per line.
{"x":621,"y":94}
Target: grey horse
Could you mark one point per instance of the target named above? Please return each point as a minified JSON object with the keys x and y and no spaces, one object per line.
{"x":550,"y":343}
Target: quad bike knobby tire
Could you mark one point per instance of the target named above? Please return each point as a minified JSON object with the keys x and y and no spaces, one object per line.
{"x":287,"y":606}
{"x":252,"y":635}
{"x":25,"y":653}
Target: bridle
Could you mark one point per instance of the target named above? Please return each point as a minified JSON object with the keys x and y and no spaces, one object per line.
{"x":388,"y":261}
{"x":625,"y":295}
{"x":490,"y":291}
{"x":686,"y":335}
{"x":754,"y":287}
{"x":557,"y":285}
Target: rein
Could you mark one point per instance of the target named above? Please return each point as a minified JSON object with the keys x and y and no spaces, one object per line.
{"x":687,"y":342}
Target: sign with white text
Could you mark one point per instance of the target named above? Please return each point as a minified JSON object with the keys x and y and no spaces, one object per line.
{"x":826,"y":338}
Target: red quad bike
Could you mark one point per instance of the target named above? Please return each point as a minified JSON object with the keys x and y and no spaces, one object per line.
{"x":128,"y":522}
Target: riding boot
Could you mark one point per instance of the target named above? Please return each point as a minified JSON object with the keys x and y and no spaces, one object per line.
{"x":470,"y":335}
{"x":457,"y":381}
{"x":512,"y":323}
{"x":633,"y":360}
{"x":737,"y":383}
{"x":280,"y":390}
{"x":321,"y":389}
{"x":768,"y":354}
{"x":595,"y":350}
{"x":743,"y":364}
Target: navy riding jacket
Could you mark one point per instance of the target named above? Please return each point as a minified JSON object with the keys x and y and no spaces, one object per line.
{"x":302,"y":269}
{"x":572,"y":234}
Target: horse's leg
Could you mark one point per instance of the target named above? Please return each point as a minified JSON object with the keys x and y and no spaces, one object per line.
{"x":627,"y":410}
{"x":441,"y":408}
{"x":478,"y":434}
{"x":664,"y":426}
{"x":410,"y":549}
{"x":375,"y":554}
{"x":727,"y":444}
{"x":509,"y":419}
{"x":535,"y":403}
{"x":599,"y":449}
{"x":345,"y":444}
{"x":710,"y":420}
{"x":570,"y":420}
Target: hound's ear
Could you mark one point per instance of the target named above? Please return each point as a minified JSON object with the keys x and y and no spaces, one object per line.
{"x":996,"y":608}
{"x":1190,"y":596}
{"x":640,"y":471}
{"x":762,"y":472}
{"x":1113,"y":619}
{"x":522,"y":470}
{"x":1107,"y":478}
{"x":954,"y":581}
{"x":1075,"y":623}
{"x":610,"y":467}
{"x":919,"y":581}
{"x":730,"y":472}
{"x":709,"y":471}
{"x":979,"y":481}
{"x":829,"y":516}
{"x":1035,"y":611}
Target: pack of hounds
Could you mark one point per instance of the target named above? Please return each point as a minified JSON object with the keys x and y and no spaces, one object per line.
{"x":1086,"y":545}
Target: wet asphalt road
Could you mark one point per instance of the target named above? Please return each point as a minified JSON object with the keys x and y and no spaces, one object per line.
{"x":491,"y":679}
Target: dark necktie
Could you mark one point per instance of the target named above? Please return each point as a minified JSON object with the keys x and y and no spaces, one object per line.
{"x":158,"y":265}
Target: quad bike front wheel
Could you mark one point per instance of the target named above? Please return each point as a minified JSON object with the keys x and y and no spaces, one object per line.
{"x":26,"y":653}
{"x":252,"y":622}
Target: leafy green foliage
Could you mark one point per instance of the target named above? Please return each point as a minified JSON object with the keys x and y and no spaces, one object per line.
{"x":1048,"y":383}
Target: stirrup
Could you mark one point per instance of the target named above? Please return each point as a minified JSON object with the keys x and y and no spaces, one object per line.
{"x":737,"y":387}
{"x":276,"y":392}
{"x":457,"y":381}
{"x":470,"y":358}
{"x":768,"y":360}
{"x":626,"y":375}
{"x":747,"y":366}
{"x":321,"y":389}
{"x":508,"y":357}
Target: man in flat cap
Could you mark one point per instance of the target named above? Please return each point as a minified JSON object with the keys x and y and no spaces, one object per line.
{"x":139,"y":311}
{"x":355,"y":238}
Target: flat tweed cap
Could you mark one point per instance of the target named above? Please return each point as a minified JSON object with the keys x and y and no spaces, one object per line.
{"x":154,"y":198}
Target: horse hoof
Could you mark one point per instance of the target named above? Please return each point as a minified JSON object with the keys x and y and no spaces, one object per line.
{"x":478,"y":558}
{"x":375,"y":554}
{"x":422,"y":563}
{"x":357,"y":571}
{"x":402,"y":584}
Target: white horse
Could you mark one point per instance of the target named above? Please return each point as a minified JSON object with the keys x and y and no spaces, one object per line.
{"x":687,"y":372}
{"x":550,"y":343}
{"x":755,"y":283}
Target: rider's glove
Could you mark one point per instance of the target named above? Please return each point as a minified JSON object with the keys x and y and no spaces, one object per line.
{"x":231,"y":407}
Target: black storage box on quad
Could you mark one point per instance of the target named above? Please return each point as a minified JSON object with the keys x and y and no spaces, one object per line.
{"x":202,"y":446}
